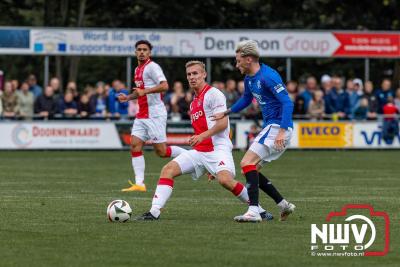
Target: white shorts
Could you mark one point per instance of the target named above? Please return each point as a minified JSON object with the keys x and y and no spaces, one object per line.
{"x":153,"y":129}
{"x":193,"y":161}
{"x":264,"y":143}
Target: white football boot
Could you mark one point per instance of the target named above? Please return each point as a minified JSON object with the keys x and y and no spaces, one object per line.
{"x":286,"y":211}
{"x":249,"y":216}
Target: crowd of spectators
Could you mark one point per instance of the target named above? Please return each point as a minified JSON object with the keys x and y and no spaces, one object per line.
{"x":333,"y":98}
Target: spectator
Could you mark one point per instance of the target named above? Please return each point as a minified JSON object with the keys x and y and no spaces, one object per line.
{"x":9,"y":101}
{"x":383,"y":94}
{"x":179,"y":105}
{"x":230,"y":92}
{"x":372,"y":100}
{"x":252,"y":134}
{"x":326,"y":84}
{"x":99,"y":100}
{"x":337,"y":101}
{"x":311,"y":87}
{"x":299,"y":109}
{"x":115,"y":108}
{"x":57,"y":92}
{"x":354,"y":89}
{"x":85,"y":107}
{"x":316,"y":108}
{"x":15,"y":85}
{"x":33,"y":86}
{"x":71,"y":86}
{"x":397,"y":99}
{"x":68,"y":107}
{"x":390,"y":123}
{"x":291,"y":87}
{"x":25,"y":100}
{"x":45,"y":104}
{"x":361,"y":112}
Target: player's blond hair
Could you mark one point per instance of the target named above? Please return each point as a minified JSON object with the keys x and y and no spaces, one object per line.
{"x":195,"y":62}
{"x":248,"y":48}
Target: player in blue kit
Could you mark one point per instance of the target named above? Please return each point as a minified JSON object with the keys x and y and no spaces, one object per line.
{"x":264,"y":84}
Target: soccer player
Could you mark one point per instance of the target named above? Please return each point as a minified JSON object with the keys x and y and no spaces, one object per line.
{"x":212,"y":147}
{"x":265,"y":84}
{"x":151,"y":120}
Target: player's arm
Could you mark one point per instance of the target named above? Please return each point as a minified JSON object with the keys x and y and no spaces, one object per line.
{"x":243,"y":102}
{"x":160,"y":88}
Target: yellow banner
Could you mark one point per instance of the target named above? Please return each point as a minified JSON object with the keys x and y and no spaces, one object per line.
{"x":328,"y":134}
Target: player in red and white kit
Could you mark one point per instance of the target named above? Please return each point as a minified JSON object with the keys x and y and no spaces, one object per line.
{"x":212,"y":147}
{"x":151,"y":120}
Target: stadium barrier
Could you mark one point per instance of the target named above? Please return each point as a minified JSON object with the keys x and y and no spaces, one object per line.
{"x":24,"y":135}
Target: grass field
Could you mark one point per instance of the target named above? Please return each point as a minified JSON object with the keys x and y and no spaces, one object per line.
{"x":53,"y":211}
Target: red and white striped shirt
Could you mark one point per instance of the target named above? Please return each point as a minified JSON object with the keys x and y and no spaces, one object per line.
{"x":208,"y":102}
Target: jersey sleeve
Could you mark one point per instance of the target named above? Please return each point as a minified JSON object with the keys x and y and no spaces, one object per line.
{"x":275,"y":85}
{"x":244,"y":101}
{"x":157,"y":75}
{"x":215,"y":102}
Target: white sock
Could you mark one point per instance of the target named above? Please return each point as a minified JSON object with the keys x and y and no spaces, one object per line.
{"x":240,"y":191}
{"x":176,"y":151}
{"x":162,"y":194}
{"x":138,"y":166}
{"x":254,"y":209}
{"x":283,"y":204}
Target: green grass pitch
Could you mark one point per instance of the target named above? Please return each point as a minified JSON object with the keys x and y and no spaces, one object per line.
{"x":53,"y":211}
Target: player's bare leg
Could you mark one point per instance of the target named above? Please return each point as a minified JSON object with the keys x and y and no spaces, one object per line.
{"x":138,"y":165}
{"x":163,"y":191}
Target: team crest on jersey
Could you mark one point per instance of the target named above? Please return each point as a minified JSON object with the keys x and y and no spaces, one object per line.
{"x":249,"y":83}
{"x":138,"y":83}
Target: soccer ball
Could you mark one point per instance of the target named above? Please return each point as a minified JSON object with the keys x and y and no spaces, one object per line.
{"x":119,"y":211}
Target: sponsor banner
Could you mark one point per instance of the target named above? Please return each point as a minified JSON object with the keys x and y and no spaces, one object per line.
{"x":59,"y":135}
{"x":325,"y":135}
{"x":194,"y":43}
{"x":370,"y":135}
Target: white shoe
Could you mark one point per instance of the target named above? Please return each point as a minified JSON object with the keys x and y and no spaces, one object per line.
{"x":285,"y":212}
{"x":249,"y":216}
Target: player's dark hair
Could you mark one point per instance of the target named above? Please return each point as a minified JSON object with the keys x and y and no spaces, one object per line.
{"x":144,"y":42}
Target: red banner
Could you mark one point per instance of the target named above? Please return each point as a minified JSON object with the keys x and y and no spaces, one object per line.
{"x":368,"y":44}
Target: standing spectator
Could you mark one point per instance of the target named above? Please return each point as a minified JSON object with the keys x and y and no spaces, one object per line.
{"x":45,"y":104}
{"x":354,"y":89}
{"x":57,"y":92}
{"x":179,"y":106}
{"x":15,"y":85}
{"x":25,"y":100}
{"x":372,"y":100}
{"x":9,"y":101}
{"x":397,"y":99}
{"x":316,"y":108}
{"x":291,"y":87}
{"x":390,"y":122}
{"x":326,"y":84}
{"x":68,"y":107}
{"x":33,"y":86}
{"x":71,"y":86}
{"x":85,"y":107}
{"x":337,"y":101}
{"x":230,"y":92}
{"x":383,"y":94}
{"x":99,"y":100}
{"x":115,"y":108}
{"x":361,"y":112}
{"x":311,"y":87}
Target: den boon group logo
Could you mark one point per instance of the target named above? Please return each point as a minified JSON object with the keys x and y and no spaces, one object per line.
{"x":357,"y":230}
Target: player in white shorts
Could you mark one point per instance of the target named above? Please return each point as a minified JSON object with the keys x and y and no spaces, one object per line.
{"x":212,"y":147}
{"x":151,"y":120}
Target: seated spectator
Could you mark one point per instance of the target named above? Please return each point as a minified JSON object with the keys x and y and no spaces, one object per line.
{"x":383,"y":94}
{"x":230,"y":92}
{"x":361,"y":112}
{"x":25,"y":100}
{"x":316,"y":108}
{"x":33,"y":86}
{"x":311,"y":87}
{"x":115,"y":108}
{"x":99,"y":100}
{"x":85,"y":107}
{"x":45,"y":104}
{"x":397,"y":99}
{"x":337,"y":101}
{"x":390,"y":123}
{"x":9,"y":101}
{"x":372,"y":100}
{"x":71,"y":86}
{"x":291,"y":87}
{"x":68,"y":107}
